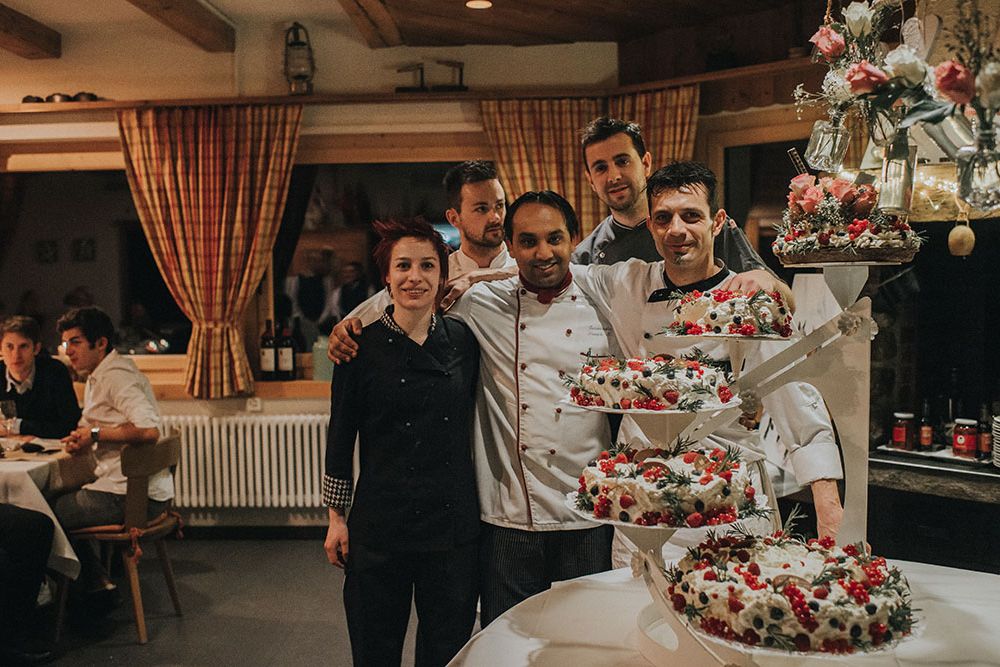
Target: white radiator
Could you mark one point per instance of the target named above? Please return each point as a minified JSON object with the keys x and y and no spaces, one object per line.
{"x":250,"y":460}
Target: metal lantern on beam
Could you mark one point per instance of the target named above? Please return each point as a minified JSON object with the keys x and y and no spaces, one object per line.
{"x":299,"y":64}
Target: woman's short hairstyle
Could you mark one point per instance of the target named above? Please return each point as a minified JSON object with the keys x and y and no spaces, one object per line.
{"x":392,"y":230}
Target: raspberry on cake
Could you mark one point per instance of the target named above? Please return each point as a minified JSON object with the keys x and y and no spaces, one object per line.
{"x":689,"y":383}
{"x":730,"y":313}
{"x":685,"y":487}
{"x":780,"y":592}
{"x":834,"y":220}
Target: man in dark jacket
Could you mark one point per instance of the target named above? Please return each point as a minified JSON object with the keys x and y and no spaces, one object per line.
{"x":39,"y":385}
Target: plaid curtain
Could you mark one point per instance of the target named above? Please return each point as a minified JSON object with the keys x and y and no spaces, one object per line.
{"x":537,"y":147}
{"x":668,"y":117}
{"x":209,"y":184}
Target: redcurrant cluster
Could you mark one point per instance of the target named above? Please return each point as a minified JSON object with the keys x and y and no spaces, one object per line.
{"x":800,"y":607}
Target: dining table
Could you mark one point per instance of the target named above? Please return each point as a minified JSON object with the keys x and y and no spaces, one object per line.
{"x":29,"y":479}
{"x":609,"y":619}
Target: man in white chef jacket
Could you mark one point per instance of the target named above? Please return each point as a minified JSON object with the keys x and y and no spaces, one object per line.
{"x":477,"y":206}
{"x":637,"y":299}
{"x":529,"y":443}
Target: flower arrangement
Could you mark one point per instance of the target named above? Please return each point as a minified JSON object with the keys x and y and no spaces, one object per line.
{"x":852,"y":50}
{"x":835,"y":220}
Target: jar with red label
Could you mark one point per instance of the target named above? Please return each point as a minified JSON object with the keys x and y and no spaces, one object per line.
{"x":903,"y":430}
{"x":964,"y":442}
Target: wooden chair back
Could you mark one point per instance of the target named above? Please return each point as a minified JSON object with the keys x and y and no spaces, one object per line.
{"x":139,"y":462}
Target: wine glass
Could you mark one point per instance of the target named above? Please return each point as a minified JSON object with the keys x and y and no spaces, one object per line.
{"x":8,"y":412}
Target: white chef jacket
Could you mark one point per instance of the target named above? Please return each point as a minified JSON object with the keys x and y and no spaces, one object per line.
{"x":807,"y":446}
{"x":458,"y":265}
{"x":529,"y":444}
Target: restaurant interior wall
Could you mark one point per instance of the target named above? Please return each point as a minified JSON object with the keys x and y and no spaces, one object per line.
{"x":118,"y":52}
{"x":61,"y":211}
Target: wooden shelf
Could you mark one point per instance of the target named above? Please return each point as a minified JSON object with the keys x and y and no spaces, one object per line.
{"x":750,"y":71}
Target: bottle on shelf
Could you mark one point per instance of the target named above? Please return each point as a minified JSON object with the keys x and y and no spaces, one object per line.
{"x":925,"y":432}
{"x":902,"y":430}
{"x":286,"y":354}
{"x":985,"y":426}
{"x":268,"y":353}
{"x":297,"y":335}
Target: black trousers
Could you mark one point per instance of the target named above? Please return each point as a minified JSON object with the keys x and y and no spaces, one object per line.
{"x":379,"y":588}
{"x":516,"y":564}
{"x":25,"y":543}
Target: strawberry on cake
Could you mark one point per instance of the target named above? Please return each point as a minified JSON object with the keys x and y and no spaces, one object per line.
{"x":731,"y":313}
{"x":779,"y":592}
{"x":690,"y":383}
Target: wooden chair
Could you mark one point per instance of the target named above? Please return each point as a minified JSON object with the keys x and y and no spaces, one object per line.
{"x":139,"y":462}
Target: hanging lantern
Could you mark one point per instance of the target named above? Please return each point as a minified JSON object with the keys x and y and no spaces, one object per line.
{"x":299,"y":64}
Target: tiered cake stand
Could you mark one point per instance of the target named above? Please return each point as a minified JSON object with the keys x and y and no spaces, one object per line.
{"x":835,"y":359}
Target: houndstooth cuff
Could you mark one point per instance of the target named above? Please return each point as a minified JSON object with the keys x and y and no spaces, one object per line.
{"x":337,"y":493}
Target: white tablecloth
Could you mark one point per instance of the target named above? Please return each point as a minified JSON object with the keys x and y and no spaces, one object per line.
{"x":22,"y":483}
{"x":591,"y":622}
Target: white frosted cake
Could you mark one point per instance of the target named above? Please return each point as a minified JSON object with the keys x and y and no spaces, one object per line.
{"x":727,"y":312}
{"x":688,"y":488}
{"x":661,"y":383}
{"x":777,"y":591}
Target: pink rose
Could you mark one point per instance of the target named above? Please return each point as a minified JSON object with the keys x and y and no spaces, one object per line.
{"x":828,"y":42}
{"x":865,"y":201}
{"x":801,"y":183}
{"x":955,"y":81}
{"x":863,"y":77}
{"x":810,"y":199}
{"x":843,"y":190}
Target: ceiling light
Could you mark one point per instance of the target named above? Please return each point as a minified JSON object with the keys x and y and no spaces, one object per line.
{"x":478,"y":4}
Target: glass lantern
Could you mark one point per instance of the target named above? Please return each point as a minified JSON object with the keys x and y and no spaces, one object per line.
{"x":978,"y":169}
{"x":827,"y":145}
{"x":299,"y":64}
{"x":898,"y":169}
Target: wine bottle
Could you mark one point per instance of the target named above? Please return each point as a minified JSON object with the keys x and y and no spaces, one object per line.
{"x":926,"y":431}
{"x":268,"y":352}
{"x":286,"y":355}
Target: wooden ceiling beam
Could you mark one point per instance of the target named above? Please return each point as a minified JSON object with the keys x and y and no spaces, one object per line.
{"x":418,"y":26}
{"x":549,"y":23}
{"x":374,"y":22}
{"x":27,"y":37}
{"x":193,"y":20}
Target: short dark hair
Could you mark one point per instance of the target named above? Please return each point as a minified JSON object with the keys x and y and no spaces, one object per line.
{"x":603,"y":128}
{"x":93,"y":322}
{"x":676,"y":175}
{"x":547,"y":198}
{"x":25,"y":326}
{"x":390,"y":231}
{"x":470,"y":171}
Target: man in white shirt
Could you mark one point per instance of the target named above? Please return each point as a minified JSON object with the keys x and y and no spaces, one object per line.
{"x":639,"y":299}
{"x":477,"y":207}
{"x":118,"y":409}
{"x":529,"y":444}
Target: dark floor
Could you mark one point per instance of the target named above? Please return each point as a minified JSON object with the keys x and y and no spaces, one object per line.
{"x":245,"y":602}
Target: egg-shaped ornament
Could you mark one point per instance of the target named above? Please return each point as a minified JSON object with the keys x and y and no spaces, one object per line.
{"x":961,"y":240}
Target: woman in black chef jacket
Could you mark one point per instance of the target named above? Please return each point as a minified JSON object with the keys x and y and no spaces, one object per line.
{"x":414,"y":516}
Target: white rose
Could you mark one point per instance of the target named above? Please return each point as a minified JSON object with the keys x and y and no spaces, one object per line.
{"x":988,"y":85}
{"x":903,"y":62}
{"x":858,"y":18}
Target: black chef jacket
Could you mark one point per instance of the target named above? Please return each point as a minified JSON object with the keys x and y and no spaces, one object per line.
{"x":412,"y":406}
